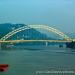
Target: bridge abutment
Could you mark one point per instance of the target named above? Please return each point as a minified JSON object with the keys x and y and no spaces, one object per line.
{"x":71,"y":45}
{"x":4,"y":46}
{"x":0,"y":46}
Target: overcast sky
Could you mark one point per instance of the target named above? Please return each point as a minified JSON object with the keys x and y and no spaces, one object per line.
{"x":56,"y":13}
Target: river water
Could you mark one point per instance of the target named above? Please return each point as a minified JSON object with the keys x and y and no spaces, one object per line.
{"x":30,"y":62}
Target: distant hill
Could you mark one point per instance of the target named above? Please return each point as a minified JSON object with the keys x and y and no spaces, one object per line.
{"x":27,"y":34}
{"x":7,"y":27}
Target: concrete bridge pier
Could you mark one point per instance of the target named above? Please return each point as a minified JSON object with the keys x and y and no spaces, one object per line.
{"x":46,"y":44}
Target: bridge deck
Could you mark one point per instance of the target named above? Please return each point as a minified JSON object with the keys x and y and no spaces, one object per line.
{"x":18,"y":41}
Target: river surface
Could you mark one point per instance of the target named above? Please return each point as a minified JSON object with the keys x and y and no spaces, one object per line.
{"x":31,"y":61}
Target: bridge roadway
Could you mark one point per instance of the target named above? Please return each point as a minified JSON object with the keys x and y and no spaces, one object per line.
{"x":21,"y":41}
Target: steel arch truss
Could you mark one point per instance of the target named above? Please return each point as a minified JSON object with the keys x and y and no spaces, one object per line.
{"x":46,"y":27}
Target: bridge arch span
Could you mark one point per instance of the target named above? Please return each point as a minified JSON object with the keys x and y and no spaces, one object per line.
{"x":46,"y":27}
